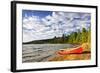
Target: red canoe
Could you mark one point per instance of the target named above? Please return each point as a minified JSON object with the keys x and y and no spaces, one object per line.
{"x":70,"y":51}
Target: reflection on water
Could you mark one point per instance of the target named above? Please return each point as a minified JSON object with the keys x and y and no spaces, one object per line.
{"x":41,"y":52}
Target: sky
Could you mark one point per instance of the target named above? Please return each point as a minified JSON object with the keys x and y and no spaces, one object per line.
{"x":38,"y":25}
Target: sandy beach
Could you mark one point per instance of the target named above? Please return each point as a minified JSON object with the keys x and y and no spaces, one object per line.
{"x":83,"y":56}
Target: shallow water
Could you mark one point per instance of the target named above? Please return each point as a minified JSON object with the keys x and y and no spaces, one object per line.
{"x":41,"y":52}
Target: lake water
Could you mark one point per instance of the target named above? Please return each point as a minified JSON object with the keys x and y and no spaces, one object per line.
{"x":41,"y":52}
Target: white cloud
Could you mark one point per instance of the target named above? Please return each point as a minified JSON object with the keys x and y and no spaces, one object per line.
{"x":55,"y":25}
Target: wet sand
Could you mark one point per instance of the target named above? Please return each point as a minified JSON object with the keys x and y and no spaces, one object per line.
{"x":82,"y":56}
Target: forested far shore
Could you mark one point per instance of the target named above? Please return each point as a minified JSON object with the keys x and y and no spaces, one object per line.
{"x":78,"y":37}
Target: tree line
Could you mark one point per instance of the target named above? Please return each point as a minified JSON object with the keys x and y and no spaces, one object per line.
{"x":74,"y":38}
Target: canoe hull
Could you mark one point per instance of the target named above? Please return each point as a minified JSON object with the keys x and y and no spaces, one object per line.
{"x":71,"y":51}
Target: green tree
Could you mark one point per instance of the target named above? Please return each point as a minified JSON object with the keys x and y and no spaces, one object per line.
{"x":84,"y":35}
